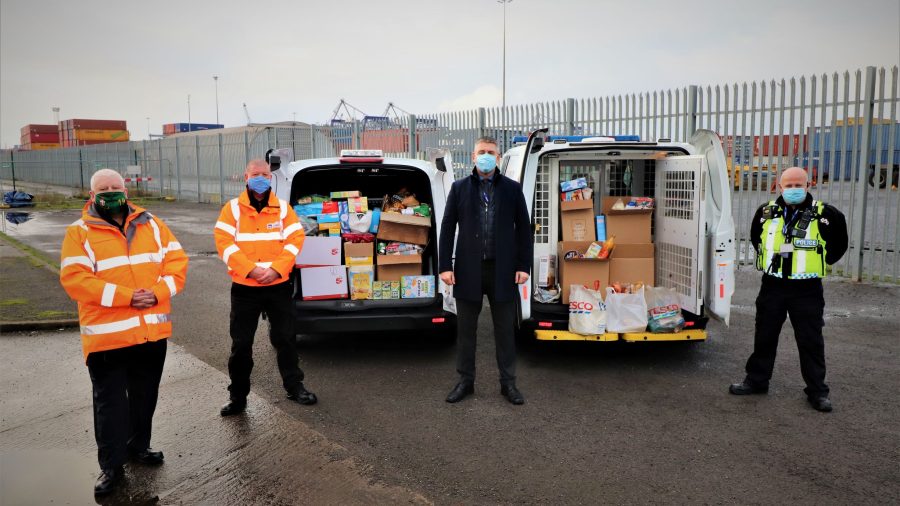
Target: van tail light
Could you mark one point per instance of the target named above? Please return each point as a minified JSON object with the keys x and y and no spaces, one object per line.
{"x":438,"y":320}
{"x":688,"y":324}
{"x":545,"y":324}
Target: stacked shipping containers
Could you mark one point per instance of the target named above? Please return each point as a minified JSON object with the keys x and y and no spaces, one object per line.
{"x":84,"y":132}
{"x":37,"y":137}
{"x":177,"y":128}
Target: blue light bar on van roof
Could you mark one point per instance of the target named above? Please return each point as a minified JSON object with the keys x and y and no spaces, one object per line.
{"x":580,"y":138}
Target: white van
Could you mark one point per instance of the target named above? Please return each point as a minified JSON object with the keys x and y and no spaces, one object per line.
{"x":693,"y":230}
{"x":374,"y":176}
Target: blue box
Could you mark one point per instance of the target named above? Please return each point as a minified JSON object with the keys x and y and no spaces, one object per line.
{"x":574,"y":184}
{"x":601,"y":228}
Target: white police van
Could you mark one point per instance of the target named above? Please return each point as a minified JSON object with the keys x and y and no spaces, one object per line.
{"x":374,"y":176}
{"x":693,"y":229}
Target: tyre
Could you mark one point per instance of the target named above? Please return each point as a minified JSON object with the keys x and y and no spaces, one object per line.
{"x":880,"y":181}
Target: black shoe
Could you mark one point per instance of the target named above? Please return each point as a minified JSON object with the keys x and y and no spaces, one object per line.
{"x":147,"y":457}
{"x":745,"y":388}
{"x":822,"y":404}
{"x":460,"y":392}
{"x":303,"y":396}
{"x":108,"y":480}
{"x":233,"y":408}
{"x":512,"y":394}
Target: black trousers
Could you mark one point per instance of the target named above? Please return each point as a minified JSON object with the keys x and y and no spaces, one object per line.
{"x":503,"y":315}
{"x":247,"y":302}
{"x":125,"y":388}
{"x":804,"y":302}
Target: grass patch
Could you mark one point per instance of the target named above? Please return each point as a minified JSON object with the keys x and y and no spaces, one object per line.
{"x":13,"y":302}
{"x":35,"y":257}
{"x":55,"y":315}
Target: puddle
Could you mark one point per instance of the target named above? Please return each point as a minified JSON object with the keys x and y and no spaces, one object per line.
{"x":46,"y":477}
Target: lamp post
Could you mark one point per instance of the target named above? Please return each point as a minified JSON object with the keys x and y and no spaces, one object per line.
{"x":56,"y":115}
{"x":504,"y":2}
{"x":148,"y":127}
{"x":216,"y":81}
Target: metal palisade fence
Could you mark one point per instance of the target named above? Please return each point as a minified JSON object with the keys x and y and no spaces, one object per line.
{"x":842,"y":127}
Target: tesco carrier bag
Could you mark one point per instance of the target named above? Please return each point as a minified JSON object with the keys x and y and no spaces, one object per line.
{"x":587,"y":313}
{"x":663,"y":310}
{"x":626,"y":312}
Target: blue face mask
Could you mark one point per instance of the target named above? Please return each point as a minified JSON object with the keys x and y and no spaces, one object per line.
{"x":259,"y":184}
{"x":486,"y":163}
{"x":794,"y":196}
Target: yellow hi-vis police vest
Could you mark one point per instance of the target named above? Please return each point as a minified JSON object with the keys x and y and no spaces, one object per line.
{"x":808,"y":255}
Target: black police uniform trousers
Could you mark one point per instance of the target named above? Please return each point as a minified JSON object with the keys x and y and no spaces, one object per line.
{"x":125,"y":388}
{"x":803,"y":300}
{"x":247,"y":302}
{"x":503,"y":315}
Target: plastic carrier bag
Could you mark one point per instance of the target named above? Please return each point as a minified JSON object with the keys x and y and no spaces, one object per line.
{"x":663,"y":310}
{"x":626,"y":312}
{"x":587,"y":313}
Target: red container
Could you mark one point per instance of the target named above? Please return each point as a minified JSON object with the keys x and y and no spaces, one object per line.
{"x":95,"y":124}
{"x":34,"y":128}
{"x":40,"y":137}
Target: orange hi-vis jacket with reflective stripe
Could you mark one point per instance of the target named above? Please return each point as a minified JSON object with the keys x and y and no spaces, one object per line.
{"x":101,"y":268}
{"x":247,"y":239}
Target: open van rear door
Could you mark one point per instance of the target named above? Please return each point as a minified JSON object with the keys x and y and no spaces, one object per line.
{"x":441,"y":181}
{"x":720,"y":227}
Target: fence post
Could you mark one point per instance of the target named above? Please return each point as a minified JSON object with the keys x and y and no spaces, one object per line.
{"x":177,"y":171}
{"x":221,"y":173}
{"x":354,"y":142}
{"x":197,"y":165}
{"x":12,"y":168}
{"x":81,"y":168}
{"x":570,"y":116}
{"x":482,"y":123}
{"x":858,"y":227}
{"x":162,"y":181}
{"x":413,"y":145}
{"x":691,"y":112}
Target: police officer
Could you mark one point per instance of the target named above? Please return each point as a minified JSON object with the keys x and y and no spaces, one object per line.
{"x":795,"y":236}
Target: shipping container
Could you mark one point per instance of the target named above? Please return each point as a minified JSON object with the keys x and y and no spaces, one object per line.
{"x":35,"y":128}
{"x":43,"y":145}
{"x":39,"y":137}
{"x":93,"y":124}
{"x":174,"y":128}
{"x":100,"y":135}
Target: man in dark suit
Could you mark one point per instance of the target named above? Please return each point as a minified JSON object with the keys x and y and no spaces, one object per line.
{"x":493,"y":255}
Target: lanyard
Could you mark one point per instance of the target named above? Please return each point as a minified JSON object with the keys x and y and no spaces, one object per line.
{"x":788,"y":222}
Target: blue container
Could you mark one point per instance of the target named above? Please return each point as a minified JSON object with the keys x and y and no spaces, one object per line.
{"x":194,"y":127}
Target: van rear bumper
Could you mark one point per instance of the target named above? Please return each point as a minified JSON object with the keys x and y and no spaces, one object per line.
{"x":318,"y":320}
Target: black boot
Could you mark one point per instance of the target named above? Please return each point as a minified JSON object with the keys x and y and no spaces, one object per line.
{"x":512,"y":394}
{"x":108,"y":481}
{"x":233,"y":408}
{"x":303,"y":396}
{"x":460,"y":392}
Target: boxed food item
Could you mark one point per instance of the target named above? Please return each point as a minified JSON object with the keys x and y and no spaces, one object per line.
{"x":578,"y":220}
{"x":329,"y":218}
{"x":359,"y":253}
{"x":404,"y":228}
{"x":330,"y":228}
{"x":546,"y":274}
{"x":582,"y":194}
{"x":329,"y":207}
{"x":362,"y":278}
{"x":344,"y":194}
{"x":574,"y":184}
{"x":601,"y":228}
{"x":376,"y":219}
{"x":574,"y":269}
{"x":324,"y":283}
{"x":308,"y":209}
{"x":417,"y":287}
{"x":628,"y":225}
{"x":357,"y":204}
{"x":386,"y":290}
{"x":394,"y":267}
{"x":320,"y":251}
{"x":632,"y":263}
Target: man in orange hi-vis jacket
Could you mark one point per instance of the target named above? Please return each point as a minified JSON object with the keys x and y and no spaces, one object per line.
{"x":122,"y":265}
{"x":258,"y":236}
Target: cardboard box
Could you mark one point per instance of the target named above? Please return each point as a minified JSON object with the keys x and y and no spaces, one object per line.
{"x":357,"y":204}
{"x":386,"y":290}
{"x":417,"y":287}
{"x":629,"y":226}
{"x":362,"y":279}
{"x":344,"y":194}
{"x":394,"y":267}
{"x":404,"y":228}
{"x":577,"y":220}
{"x":324,"y":283}
{"x":590,"y":272}
{"x":632,"y":263}
{"x":362,"y":253}
{"x":546,"y":275}
{"x":318,"y":251}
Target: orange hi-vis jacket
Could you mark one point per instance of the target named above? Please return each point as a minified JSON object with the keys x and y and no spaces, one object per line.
{"x":101,"y":269}
{"x":247,"y":239}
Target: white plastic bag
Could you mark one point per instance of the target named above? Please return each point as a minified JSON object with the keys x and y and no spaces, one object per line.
{"x":663,"y":311}
{"x":587,"y":313}
{"x":360,"y":222}
{"x":626,"y":312}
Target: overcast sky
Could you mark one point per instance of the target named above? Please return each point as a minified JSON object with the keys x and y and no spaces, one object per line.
{"x":133,"y":60}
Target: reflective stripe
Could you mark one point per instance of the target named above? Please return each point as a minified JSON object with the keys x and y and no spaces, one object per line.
{"x":108,"y":328}
{"x":258,"y":236}
{"x":143,"y":258}
{"x":79,"y":223}
{"x":85,"y":261}
{"x":109,"y":293}
{"x":771,"y":233}
{"x":155,"y":319}
{"x":172,"y":246}
{"x":156,"y":235}
{"x":170,"y":282}
{"x":293,"y":249}
{"x":90,"y":252}
{"x":283,"y":211}
{"x":221,"y":225}
{"x":264,"y":265}
{"x":799,"y":260}
{"x":229,"y":251}
{"x":235,"y":210}
{"x":290,"y":229}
